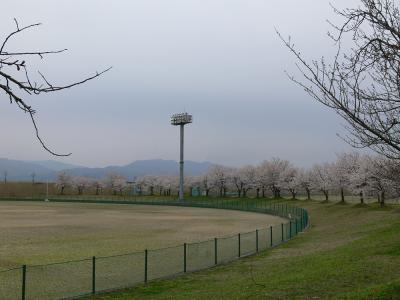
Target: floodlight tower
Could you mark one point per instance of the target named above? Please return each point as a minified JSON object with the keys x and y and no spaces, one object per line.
{"x":181,"y":120}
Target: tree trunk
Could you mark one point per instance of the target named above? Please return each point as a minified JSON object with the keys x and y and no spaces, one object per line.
{"x":382,"y":198}
{"x":308,"y":194}
{"x":274,"y":192}
{"x":293,"y":195}
{"x":258,"y":192}
{"x":326,"y":193}
{"x":342,"y":194}
{"x":62,"y":190}
{"x":361,"y":197}
{"x":263,"y":192}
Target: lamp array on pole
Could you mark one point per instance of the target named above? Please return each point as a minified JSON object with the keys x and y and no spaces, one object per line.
{"x":181,"y":120}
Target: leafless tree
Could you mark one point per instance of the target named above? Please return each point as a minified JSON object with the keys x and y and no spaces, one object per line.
{"x":33,"y":175}
{"x":16,"y":81}
{"x":362,"y":82}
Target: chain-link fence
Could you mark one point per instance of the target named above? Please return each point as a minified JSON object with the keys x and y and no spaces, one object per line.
{"x":89,"y":276}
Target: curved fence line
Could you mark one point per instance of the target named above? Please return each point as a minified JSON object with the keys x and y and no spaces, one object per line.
{"x":89,"y":276}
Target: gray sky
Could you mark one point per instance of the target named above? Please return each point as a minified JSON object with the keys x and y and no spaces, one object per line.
{"x":220,"y":60}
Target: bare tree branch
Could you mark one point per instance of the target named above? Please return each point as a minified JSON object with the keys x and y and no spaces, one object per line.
{"x":362,"y":84}
{"x":9,"y":61}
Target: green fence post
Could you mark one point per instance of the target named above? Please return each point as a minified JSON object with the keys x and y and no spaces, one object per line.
{"x":215,"y":251}
{"x":290,"y":229}
{"x":301,"y":222}
{"x":282,"y":232}
{"x":184,"y":257}
{"x":296,"y":226}
{"x":256,"y":240}
{"x":23,"y":282}
{"x":93,"y":275}
{"x":270,"y":229}
{"x":145,"y":265}
{"x":239,"y":245}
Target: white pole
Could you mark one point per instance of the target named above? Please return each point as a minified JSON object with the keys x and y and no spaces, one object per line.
{"x":47,"y":190}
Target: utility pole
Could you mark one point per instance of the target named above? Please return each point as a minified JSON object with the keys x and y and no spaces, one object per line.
{"x":181,"y":120}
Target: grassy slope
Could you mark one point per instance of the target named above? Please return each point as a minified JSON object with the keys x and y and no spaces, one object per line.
{"x":348,"y":253}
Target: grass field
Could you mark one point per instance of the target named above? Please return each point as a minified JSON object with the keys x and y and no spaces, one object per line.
{"x":45,"y":232}
{"x":350,"y":252}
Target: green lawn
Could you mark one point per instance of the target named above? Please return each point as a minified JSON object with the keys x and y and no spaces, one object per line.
{"x":350,"y":252}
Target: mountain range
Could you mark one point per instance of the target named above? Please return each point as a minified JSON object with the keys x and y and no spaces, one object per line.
{"x":18,"y":170}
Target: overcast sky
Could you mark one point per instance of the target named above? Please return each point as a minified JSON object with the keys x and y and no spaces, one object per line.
{"x":219,"y":60}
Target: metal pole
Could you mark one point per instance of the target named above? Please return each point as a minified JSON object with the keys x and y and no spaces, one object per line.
{"x":145,"y":265}
{"x":93,"y":275}
{"x":239,"y":245}
{"x":270,"y":230}
{"x":216,"y":251}
{"x":23,"y":281}
{"x":184,"y":257}
{"x":181,"y":165}
{"x":256,"y":240}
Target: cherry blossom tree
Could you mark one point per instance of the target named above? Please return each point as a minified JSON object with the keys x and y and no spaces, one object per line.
{"x":220,"y":178}
{"x":360,"y":179}
{"x":64,"y":180}
{"x":120,"y":184}
{"x":98,"y":185}
{"x":271,"y":172}
{"x":113,"y":182}
{"x":342,"y":169}
{"x":322,"y":178}
{"x":290,"y":180}
{"x":383,"y":177}
{"x":263,"y":178}
{"x":244,"y":179}
{"x":150,"y":183}
{"x":206,"y":183}
{"x":305,"y":181}
{"x":80,"y":183}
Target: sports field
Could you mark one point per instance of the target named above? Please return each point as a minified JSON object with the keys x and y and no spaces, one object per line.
{"x":45,"y":232}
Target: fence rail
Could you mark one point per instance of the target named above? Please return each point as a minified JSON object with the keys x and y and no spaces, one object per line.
{"x":73,"y":279}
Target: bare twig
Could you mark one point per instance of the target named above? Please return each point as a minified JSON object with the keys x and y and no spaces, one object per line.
{"x":361,"y":84}
{"x":8,"y":60}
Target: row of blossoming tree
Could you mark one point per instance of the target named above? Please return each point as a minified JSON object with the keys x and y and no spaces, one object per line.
{"x":351,"y":174}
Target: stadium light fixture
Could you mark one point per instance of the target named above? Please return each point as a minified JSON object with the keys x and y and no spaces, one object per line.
{"x":181,"y":120}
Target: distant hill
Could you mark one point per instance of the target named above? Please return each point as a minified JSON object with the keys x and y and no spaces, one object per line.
{"x":54,"y":165}
{"x":22,"y":170}
{"x":47,"y":170}
{"x":145,"y":167}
